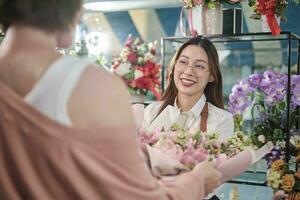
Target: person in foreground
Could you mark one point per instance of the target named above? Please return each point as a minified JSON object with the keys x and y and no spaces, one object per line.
{"x":83,"y":154}
{"x":194,"y":91}
{"x":193,"y":98}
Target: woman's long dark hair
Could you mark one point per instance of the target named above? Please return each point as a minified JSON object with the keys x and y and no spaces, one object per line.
{"x":213,"y":90}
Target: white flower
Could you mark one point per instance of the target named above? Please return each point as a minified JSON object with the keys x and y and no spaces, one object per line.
{"x":140,"y":59}
{"x":138,"y":74}
{"x":123,"y":69}
{"x":295,"y":139}
{"x":245,"y":138}
{"x":261,"y":138}
{"x":149,"y":56}
{"x":281,"y":144}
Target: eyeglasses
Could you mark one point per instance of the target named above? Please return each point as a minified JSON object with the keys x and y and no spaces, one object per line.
{"x":198,"y":66}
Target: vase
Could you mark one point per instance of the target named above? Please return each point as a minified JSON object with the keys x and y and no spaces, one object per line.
{"x":137,"y":98}
{"x":212,"y":19}
{"x":264,"y":23}
{"x":207,"y":20}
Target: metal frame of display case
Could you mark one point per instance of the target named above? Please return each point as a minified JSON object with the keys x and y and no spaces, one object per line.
{"x":251,"y":37}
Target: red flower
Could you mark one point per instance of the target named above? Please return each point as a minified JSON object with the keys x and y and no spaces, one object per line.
{"x":143,"y":83}
{"x":153,"y":50}
{"x":132,"y":57}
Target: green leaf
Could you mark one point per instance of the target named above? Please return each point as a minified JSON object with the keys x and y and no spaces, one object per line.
{"x":197,"y":136}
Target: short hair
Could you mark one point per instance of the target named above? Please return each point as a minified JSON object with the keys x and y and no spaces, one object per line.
{"x":49,"y":15}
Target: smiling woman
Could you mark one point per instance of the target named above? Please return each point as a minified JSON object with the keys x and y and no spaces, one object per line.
{"x":193,"y":98}
{"x":194,"y":84}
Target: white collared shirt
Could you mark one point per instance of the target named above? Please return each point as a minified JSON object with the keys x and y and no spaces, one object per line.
{"x":219,"y":120}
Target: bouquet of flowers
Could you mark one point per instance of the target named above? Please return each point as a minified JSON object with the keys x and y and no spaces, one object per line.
{"x":138,"y":67}
{"x":279,"y":8}
{"x":178,"y":149}
{"x":271,"y":9}
{"x":188,"y":147}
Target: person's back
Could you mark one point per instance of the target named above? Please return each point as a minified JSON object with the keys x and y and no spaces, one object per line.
{"x":41,"y":159}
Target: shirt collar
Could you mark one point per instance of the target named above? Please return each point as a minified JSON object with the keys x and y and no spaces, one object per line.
{"x":197,"y":108}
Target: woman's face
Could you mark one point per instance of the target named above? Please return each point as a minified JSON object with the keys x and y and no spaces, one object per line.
{"x":192,"y":72}
{"x":64,"y":38}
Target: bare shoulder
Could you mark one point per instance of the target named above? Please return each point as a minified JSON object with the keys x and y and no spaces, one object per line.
{"x":100,"y":99}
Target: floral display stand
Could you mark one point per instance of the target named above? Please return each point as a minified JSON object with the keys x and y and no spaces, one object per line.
{"x":291,"y":58}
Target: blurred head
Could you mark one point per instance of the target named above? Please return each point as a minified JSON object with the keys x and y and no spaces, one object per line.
{"x":193,"y":71}
{"x":57,"y":17}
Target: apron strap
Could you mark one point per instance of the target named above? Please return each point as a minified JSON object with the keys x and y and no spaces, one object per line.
{"x":204,"y":116}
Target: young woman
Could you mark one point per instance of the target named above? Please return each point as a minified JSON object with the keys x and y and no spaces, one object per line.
{"x":75,"y":93}
{"x":193,"y":96}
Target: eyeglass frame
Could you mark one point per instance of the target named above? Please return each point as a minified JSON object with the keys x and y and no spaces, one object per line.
{"x":193,"y":66}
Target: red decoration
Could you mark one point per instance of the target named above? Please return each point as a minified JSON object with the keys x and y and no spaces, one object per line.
{"x":267,"y":7}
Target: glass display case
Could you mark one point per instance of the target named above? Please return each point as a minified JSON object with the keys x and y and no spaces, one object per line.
{"x":241,"y":55}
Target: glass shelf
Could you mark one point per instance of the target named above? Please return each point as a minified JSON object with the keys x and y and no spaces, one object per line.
{"x":241,"y":37}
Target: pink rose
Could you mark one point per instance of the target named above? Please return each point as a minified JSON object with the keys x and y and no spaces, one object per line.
{"x":170,"y":148}
{"x":132,"y":57}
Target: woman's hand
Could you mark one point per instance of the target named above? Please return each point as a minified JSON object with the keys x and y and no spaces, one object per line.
{"x":210,"y":175}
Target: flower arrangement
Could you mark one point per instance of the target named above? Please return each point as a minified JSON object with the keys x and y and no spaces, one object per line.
{"x":270,"y":12}
{"x":188,"y":4}
{"x":190,"y":147}
{"x":279,"y":8}
{"x":138,"y":67}
{"x":285,"y":182}
{"x":266,"y":94}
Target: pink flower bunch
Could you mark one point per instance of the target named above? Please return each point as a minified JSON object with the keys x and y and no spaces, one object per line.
{"x":138,"y":67}
{"x":187,"y":147}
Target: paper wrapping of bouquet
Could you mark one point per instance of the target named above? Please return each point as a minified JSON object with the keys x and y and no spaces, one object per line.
{"x":242,"y":161}
{"x":162,"y":164}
